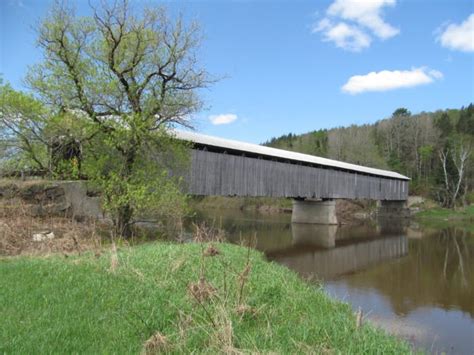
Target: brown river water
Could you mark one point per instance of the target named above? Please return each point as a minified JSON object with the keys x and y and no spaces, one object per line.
{"x":415,"y":282}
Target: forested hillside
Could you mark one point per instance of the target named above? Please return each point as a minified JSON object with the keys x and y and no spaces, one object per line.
{"x":432,"y":148}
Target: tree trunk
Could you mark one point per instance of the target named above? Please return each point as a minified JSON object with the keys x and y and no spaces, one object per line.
{"x":125,"y":213}
{"x":123,"y":225}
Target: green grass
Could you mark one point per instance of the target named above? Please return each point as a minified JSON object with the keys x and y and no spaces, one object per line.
{"x":77,"y":305}
{"x":445,"y":218}
{"x":447,"y":214}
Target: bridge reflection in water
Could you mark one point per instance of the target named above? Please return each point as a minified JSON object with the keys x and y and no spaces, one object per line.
{"x":326,"y":252}
{"x":318,"y":251}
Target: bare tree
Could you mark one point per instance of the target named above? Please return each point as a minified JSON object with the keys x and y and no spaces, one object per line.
{"x":459,"y":156}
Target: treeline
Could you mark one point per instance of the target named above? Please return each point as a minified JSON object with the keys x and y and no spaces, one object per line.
{"x":432,"y":148}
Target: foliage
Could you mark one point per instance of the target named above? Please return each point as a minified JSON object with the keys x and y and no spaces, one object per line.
{"x":22,"y":140}
{"x":408,"y":143}
{"x":30,"y":132}
{"x":153,"y":188}
{"x":82,"y":305}
{"x":130,"y":78}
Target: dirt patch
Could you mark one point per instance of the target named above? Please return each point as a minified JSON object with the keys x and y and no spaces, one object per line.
{"x":22,"y":233}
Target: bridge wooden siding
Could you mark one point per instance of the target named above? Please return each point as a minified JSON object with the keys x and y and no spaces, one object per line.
{"x":219,"y":173}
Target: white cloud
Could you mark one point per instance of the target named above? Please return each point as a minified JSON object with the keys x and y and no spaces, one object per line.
{"x":459,"y":36}
{"x":343,"y":35}
{"x":389,"y":80}
{"x":225,"y":118}
{"x":365,"y":15}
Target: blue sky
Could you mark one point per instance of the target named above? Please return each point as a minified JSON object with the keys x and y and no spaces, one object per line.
{"x":296,"y":66}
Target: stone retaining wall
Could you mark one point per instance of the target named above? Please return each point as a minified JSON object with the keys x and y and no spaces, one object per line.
{"x":53,"y":198}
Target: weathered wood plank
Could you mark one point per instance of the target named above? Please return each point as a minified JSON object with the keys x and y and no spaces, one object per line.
{"x":213,"y":173}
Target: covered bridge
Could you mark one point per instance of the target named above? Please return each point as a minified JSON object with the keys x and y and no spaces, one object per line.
{"x":231,"y":168}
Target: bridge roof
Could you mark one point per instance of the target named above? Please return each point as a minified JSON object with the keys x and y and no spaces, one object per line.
{"x":280,"y":153}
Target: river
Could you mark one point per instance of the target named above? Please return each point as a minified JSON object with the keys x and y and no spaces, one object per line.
{"x":415,"y":282}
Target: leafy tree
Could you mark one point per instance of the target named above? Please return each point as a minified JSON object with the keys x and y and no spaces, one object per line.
{"x":401,"y":112}
{"x":426,"y":156}
{"x":320,"y":142}
{"x":444,"y":125}
{"x":465,"y":124}
{"x":131,"y":77}
{"x":22,"y":121}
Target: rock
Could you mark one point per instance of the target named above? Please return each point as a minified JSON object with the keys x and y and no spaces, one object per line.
{"x":55,"y":209}
{"x":31,"y":192}
{"x":41,"y":236}
{"x":54,"y":193}
{"x":415,"y":200}
{"x":35,"y":211}
{"x":362,"y":216}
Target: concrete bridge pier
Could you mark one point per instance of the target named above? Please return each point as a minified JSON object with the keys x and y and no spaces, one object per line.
{"x":392,"y":209}
{"x":314,"y":211}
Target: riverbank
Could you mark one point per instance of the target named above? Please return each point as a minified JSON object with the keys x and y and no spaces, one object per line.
{"x":466,"y":213}
{"x":173,"y":298}
{"x":443,"y":217}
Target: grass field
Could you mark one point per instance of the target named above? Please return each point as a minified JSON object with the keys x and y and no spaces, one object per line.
{"x":173,"y":299}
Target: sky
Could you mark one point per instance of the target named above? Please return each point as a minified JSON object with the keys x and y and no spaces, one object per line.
{"x":297,"y":66}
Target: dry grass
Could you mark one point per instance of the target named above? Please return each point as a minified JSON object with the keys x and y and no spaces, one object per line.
{"x":202,"y":290}
{"x":205,"y":233}
{"x":114,"y":258}
{"x":157,"y":344}
{"x":64,"y":235}
{"x":211,"y":251}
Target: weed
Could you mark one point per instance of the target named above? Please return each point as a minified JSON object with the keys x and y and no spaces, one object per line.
{"x":211,"y":251}
{"x":201,"y":290}
{"x":113,"y":258}
{"x":156,"y":344}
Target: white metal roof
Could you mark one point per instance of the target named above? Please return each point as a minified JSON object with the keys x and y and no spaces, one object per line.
{"x":280,"y":153}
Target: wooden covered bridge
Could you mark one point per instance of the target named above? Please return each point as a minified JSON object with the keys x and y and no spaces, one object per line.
{"x":231,"y":168}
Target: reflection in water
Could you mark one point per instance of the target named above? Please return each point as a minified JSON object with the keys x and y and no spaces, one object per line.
{"x":314,"y":235}
{"x":437,"y":271}
{"x":325,"y":251}
{"x":340,"y":260}
{"x":417,"y":283}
